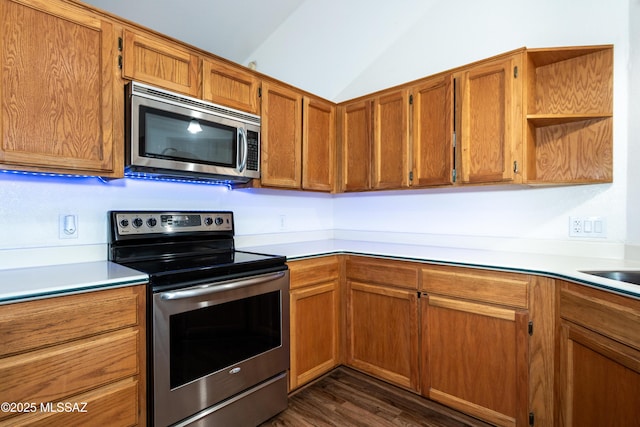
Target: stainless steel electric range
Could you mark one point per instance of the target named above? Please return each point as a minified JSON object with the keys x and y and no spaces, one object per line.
{"x":217,"y":318}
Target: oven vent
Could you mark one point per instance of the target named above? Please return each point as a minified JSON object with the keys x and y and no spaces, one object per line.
{"x":181,"y":100}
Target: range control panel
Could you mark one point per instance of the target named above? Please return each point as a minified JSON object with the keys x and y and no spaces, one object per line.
{"x":132,"y":223}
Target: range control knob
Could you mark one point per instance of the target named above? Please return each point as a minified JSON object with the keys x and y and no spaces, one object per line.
{"x":208,"y":221}
{"x":219,"y":220}
{"x":152,"y":222}
{"x":124,"y":223}
{"x":137,"y":222}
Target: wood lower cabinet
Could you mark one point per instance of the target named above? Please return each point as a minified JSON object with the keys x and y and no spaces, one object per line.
{"x":58,"y":95}
{"x":85,"y":350}
{"x":475,"y":349}
{"x":382,"y":319}
{"x":599,"y":372}
{"x":151,"y":59}
{"x":315,"y":318}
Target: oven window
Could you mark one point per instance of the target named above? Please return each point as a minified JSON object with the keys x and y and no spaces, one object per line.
{"x":166,"y":135}
{"x":208,"y":339}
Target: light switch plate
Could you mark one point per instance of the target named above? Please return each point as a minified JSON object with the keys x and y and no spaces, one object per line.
{"x":588,"y":226}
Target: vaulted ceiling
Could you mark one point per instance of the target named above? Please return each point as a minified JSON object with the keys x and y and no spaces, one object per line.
{"x":232,"y":29}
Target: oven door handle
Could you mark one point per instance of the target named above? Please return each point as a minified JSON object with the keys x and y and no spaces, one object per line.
{"x":219,"y":287}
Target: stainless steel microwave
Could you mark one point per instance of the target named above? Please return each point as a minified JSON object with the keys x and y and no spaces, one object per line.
{"x":172,"y":135}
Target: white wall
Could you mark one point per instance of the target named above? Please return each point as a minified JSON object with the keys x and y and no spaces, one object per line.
{"x":439,"y":36}
{"x":633,"y":193}
{"x":31,"y":205}
{"x":377,"y":44}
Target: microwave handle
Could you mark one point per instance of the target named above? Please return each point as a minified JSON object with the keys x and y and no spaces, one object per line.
{"x":242,"y":139}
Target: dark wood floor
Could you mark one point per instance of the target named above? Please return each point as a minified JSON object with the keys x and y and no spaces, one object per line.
{"x":345,"y":397}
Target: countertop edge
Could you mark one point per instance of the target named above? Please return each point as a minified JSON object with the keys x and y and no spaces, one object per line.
{"x":552,"y":266}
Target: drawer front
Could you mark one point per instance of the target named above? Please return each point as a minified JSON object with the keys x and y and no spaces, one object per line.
{"x":611,"y":315}
{"x":37,"y":324}
{"x":402,"y":274}
{"x":313,"y":271}
{"x":56,"y":372}
{"x":509,"y":289}
{"x":114,"y":404}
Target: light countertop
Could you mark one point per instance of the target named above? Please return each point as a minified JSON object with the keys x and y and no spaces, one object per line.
{"x":21,"y":284}
{"x":558,"y":266}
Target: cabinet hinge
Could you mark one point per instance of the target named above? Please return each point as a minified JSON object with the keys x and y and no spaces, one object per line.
{"x":453,"y":175}
{"x":120,"y":62}
{"x":530,"y":328}
{"x":454,"y":140}
{"x":410,"y":99}
{"x":515,"y":72}
{"x":120,"y":44}
{"x":515,"y":166}
{"x":259,"y":92}
{"x":531,"y":418}
{"x":411,"y":176}
{"x":419,"y":294}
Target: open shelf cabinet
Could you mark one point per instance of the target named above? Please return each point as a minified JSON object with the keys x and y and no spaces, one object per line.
{"x":569,"y":115}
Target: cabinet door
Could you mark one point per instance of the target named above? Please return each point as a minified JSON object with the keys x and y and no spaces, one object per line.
{"x":433,"y":132}
{"x":159,"y":62}
{"x":390,"y":141}
{"x":490,"y":121}
{"x":382,"y":332}
{"x":230,"y":86}
{"x":599,"y":380}
{"x":475,"y":359}
{"x":57,"y":89}
{"x":314,"y":332}
{"x":355,"y":145}
{"x":281,"y":136}
{"x":318,"y":145}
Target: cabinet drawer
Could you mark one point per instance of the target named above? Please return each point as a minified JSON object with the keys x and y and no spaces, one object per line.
{"x":401,"y":274}
{"x":54,"y":373}
{"x":312,"y":271}
{"x":114,"y":404}
{"x":36,"y":324}
{"x":510,"y":289}
{"x":611,"y":315}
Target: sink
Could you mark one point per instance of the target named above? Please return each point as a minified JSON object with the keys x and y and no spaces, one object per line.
{"x":629,"y":276}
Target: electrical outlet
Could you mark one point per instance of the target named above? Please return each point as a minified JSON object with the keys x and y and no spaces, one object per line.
{"x":588,"y":226}
{"x":68,"y":226}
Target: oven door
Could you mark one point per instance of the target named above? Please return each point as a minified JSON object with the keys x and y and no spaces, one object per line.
{"x":216,"y":340}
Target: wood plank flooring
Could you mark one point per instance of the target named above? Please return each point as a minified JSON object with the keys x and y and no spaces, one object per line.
{"x":346,"y":398}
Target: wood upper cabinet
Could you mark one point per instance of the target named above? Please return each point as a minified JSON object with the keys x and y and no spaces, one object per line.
{"x":475,"y":343}
{"x":569,"y":116}
{"x":318,"y":145}
{"x":490,"y":121}
{"x":281,"y":133}
{"x":355,"y":132}
{"x":432,"y":138}
{"x":230,"y":86}
{"x":79,"y":348}
{"x":157,"y":61}
{"x":382,"y":319}
{"x":391,"y":140}
{"x":58,"y":92}
{"x":315,"y":318}
{"x":599,"y":372}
